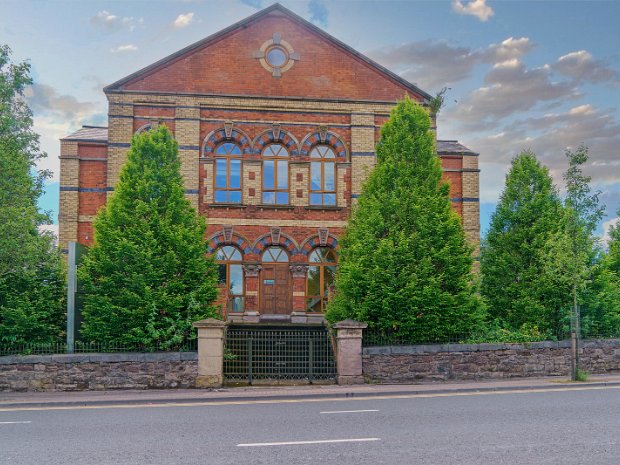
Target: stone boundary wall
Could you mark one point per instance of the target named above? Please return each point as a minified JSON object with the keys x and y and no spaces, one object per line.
{"x":76,"y":372}
{"x":443,"y":362}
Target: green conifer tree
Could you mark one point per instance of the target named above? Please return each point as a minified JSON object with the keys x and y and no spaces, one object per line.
{"x":31,"y":272}
{"x":518,"y":292}
{"x":147,"y":278}
{"x":405,"y":264}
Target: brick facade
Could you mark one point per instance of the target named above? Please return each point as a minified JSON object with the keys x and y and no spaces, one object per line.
{"x":220,"y":91}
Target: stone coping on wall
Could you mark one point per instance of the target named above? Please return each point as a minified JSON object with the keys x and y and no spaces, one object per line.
{"x":100,"y":358}
{"x":438,"y":348}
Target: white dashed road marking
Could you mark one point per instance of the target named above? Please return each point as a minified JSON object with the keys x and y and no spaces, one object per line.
{"x":298,"y":443}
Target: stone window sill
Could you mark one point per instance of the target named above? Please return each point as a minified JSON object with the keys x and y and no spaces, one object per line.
{"x":269,"y":206}
{"x":324,"y":207}
{"x":226,"y":205}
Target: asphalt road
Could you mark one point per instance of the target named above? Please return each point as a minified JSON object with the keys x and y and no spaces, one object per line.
{"x":561,"y":427}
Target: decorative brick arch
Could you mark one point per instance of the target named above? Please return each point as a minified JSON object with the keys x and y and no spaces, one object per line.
{"x":324,"y":138}
{"x":314,"y":241}
{"x":276,"y":135}
{"x":218,"y":136}
{"x":144,"y":128}
{"x":218,"y":240}
{"x":284,"y":241}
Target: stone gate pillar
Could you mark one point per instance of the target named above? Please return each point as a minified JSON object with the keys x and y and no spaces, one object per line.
{"x":349,"y":351}
{"x":210,"y":353}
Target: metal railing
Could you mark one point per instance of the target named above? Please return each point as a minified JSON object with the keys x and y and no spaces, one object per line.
{"x":41,"y":348}
{"x":278,"y":354}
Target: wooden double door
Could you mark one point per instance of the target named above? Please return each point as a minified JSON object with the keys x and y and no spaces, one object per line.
{"x":276,"y":289}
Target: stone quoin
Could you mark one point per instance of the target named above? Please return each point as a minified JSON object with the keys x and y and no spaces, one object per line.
{"x":277,"y":123}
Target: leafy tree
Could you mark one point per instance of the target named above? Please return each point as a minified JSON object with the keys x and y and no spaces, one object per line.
{"x":517,"y":290}
{"x":405,"y":264}
{"x":31,"y":271}
{"x":572,"y":251}
{"x":600,"y":300}
{"x":147,"y":278}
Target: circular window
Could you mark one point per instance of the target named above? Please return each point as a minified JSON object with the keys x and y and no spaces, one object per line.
{"x":277,"y":57}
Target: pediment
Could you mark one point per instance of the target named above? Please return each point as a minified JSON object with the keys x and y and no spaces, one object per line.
{"x":309,"y":63}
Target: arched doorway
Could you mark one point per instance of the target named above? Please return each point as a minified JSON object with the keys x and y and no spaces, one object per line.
{"x":275,"y":282}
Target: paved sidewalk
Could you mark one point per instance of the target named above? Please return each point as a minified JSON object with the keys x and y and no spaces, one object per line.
{"x":23,"y":399}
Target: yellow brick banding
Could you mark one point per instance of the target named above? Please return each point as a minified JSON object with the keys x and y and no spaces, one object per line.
{"x":282,"y":223}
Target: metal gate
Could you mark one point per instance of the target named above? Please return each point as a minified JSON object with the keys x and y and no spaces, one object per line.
{"x":278,"y":354}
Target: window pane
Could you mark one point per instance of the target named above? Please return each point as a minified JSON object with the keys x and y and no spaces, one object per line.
{"x":329,"y":153}
{"x":236,"y":304}
{"x":235,"y":150}
{"x":220,"y":172}
{"x":314,"y":281}
{"x":221,"y":273}
{"x":282,"y":256}
{"x":313,"y":304}
{"x":315,"y":176}
{"x":329,"y":277}
{"x":322,"y":254}
{"x":283,"y":174}
{"x":276,"y":57}
{"x":328,"y":170}
{"x":225,"y":252}
{"x":224,"y":149}
{"x":236,"y":280}
{"x":282,"y":198}
{"x":234,"y":196}
{"x":269,"y":198}
{"x":234,"y":254}
{"x":220,"y":196}
{"x":329,"y":199}
{"x":235,"y":174}
{"x":268,"y":175}
{"x":316,"y":199}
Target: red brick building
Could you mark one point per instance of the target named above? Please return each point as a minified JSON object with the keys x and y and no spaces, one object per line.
{"x":277,"y":123}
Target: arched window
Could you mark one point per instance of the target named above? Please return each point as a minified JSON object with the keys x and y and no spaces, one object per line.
{"x":275,"y":175}
{"x":230,"y":276}
{"x":321,"y":276}
{"x":275,"y":255}
{"x":322,"y":176}
{"x":227,"y":173}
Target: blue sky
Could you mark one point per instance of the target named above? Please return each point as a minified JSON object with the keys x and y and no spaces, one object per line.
{"x":532,"y":75}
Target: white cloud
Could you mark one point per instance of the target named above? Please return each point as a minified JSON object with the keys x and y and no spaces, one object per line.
{"x":508,"y":49}
{"x":430,"y":64}
{"x":45,"y":100}
{"x":607,"y":227}
{"x":509,"y":88}
{"x":583,"y":67}
{"x":124,"y":48}
{"x":477,"y":8}
{"x":56,"y":116}
{"x":549,"y":135}
{"x":110,"y":22}
{"x":183,"y":20}
{"x":434,"y":64}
